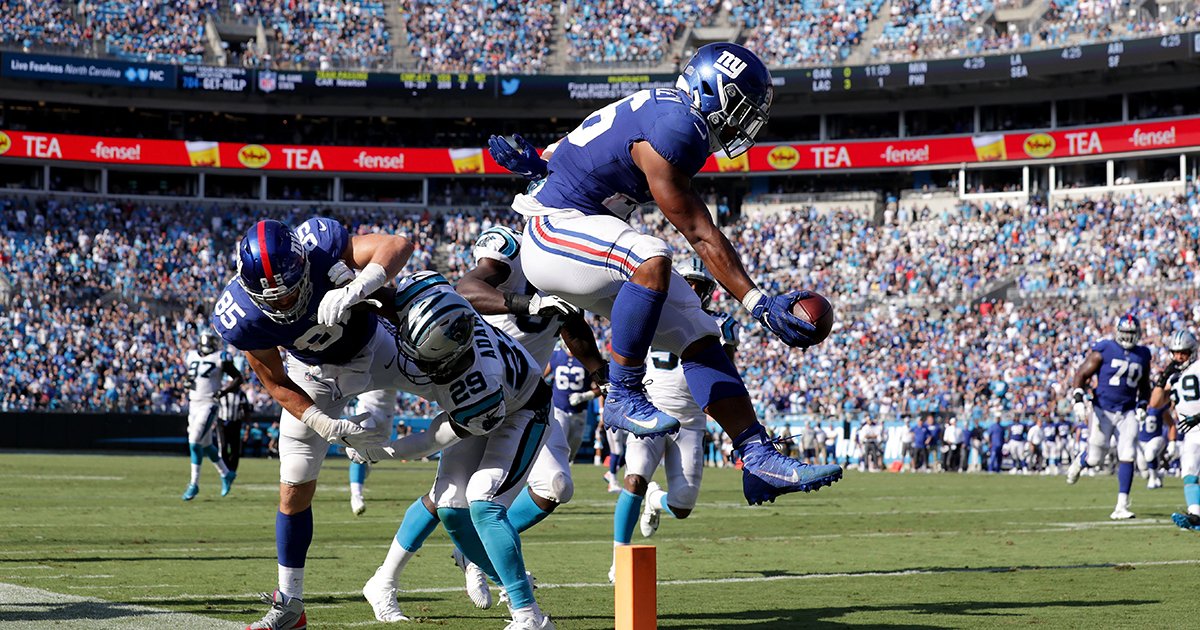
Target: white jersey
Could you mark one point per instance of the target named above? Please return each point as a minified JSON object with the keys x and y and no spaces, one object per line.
{"x":666,"y":384}
{"x":538,"y":335}
{"x":501,"y":381}
{"x":205,"y":373}
{"x":1185,"y":392}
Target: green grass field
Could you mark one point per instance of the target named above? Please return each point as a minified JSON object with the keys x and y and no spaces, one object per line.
{"x":874,"y":551}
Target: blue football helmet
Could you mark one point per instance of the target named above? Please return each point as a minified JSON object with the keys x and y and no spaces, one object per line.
{"x":273,"y":269}
{"x":732,"y":89}
{"x":1129,"y":331}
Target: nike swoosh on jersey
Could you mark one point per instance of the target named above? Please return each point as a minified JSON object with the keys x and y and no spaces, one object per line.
{"x":645,"y":424}
{"x":794,"y":478}
{"x":389,"y":363}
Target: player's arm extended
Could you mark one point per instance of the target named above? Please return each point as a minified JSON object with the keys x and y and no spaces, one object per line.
{"x":389,"y":251}
{"x":478,"y":286}
{"x":440,"y":435}
{"x":1087,"y":370}
{"x":268,"y":365}
{"x":581,"y":341}
{"x":683,"y":207}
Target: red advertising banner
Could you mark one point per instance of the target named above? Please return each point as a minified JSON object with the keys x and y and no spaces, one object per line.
{"x":807,"y":156}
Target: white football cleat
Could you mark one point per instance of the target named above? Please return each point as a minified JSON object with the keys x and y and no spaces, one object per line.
{"x":382,"y":597}
{"x":651,"y":512}
{"x":539,"y":624}
{"x":477,"y":582}
{"x":357,"y":505}
{"x":612,"y":573}
{"x":1121,"y":513}
{"x":1073,"y":471}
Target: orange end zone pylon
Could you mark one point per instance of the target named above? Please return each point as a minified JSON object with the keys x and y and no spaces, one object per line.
{"x":637,"y":588}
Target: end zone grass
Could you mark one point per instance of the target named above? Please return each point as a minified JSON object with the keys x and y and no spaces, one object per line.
{"x":908,"y":551}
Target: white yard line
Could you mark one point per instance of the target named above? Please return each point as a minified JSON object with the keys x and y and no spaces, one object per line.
{"x":25,"y":608}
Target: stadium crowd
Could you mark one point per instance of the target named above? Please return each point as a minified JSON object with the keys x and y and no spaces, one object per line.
{"x":608,"y":31}
{"x":490,"y":36}
{"x":809,"y":32}
{"x":134,"y":272}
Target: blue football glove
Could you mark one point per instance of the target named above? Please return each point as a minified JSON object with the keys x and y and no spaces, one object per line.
{"x":524,"y":161}
{"x":775,"y":314}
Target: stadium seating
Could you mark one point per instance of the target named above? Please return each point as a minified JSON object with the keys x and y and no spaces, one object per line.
{"x":607,"y":31}
{"x":320,"y":34}
{"x":162,"y":32}
{"x":492,"y":36}
{"x":41,"y":23}
{"x":89,"y":276}
{"x":805,"y":32}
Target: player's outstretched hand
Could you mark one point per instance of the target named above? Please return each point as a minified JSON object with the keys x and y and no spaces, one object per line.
{"x":523,"y":161}
{"x":336,"y":431}
{"x":335,"y":305}
{"x":340,"y":274}
{"x":550,"y":305}
{"x":775,"y":314}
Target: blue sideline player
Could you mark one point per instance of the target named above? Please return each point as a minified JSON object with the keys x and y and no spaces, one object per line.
{"x":1122,"y":371}
{"x":682,"y":454}
{"x":578,"y":245}
{"x":207,"y":364}
{"x":285,"y":295}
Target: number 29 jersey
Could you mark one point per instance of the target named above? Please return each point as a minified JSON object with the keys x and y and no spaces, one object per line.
{"x":592,"y":170}
{"x":502,"y":379}
{"x":246,"y":327}
{"x":1121,"y":371}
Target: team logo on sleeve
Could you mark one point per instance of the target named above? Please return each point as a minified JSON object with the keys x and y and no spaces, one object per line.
{"x":730,"y":65}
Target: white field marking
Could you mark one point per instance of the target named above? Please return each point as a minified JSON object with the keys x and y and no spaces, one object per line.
{"x":25,"y":608}
{"x":52,"y":577}
{"x":772,"y":578}
{"x":1055,"y":528}
{"x":116,"y":588}
{"x":37,"y":566}
{"x":67,"y":477}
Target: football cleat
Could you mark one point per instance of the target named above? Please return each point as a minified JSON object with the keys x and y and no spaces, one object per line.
{"x":612,"y":573}
{"x":357,"y":505}
{"x":504,"y":594}
{"x":227,"y":482}
{"x":1073,"y":472}
{"x":1186,"y":521}
{"x":1121,"y":513}
{"x":610,"y":477}
{"x":287,"y":613}
{"x":382,"y":597}
{"x":191,"y":492}
{"x":767,"y":473}
{"x":628,"y":408}
{"x":650,"y":513}
{"x":477,"y":582}
{"x":540,"y":624}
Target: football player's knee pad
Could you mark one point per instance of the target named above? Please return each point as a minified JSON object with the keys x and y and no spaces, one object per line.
{"x":684,"y":497}
{"x":1191,"y":480}
{"x":711,"y":376}
{"x":561,"y":488}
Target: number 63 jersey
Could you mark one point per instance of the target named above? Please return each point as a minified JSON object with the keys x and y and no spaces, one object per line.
{"x":246,"y":327}
{"x":502,"y":380}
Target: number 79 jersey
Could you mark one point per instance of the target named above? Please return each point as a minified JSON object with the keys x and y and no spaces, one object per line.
{"x":1121,"y":371}
{"x":246,"y":327}
{"x":502,"y":380}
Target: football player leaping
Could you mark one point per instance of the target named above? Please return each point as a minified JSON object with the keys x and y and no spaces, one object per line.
{"x":578,"y":246}
{"x":206,"y":364}
{"x":284,"y":296}
{"x":682,"y":452}
{"x":493,"y":397}
{"x":1122,"y":370}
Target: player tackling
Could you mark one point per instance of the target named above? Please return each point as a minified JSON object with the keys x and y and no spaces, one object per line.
{"x":577,"y":245}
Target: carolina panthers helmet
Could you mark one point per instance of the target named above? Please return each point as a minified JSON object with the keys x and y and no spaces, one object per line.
{"x":272,"y":268}
{"x":501,"y":238}
{"x":732,"y":89}
{"x":435,"y":329}
{"x":208,"y":342}
{"x":694,"y":271}
{"x":1184,"y":342}
{"x":1129,"y":331}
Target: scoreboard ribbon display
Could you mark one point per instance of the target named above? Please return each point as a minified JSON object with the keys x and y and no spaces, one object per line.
{"x":1180,"y":133}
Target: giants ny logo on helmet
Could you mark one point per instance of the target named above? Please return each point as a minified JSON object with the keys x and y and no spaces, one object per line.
{"x":730,"y":65}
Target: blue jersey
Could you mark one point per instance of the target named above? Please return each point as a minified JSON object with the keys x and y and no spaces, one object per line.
{"x":1121,"y":372}
{"x":1016,"y":432}
{"x":592,"y":170}
{"x":246,"y":327}
{"x":1063,"y":429}
{"x":1151,"y":427}
{"x":569,"y":377}
{"x":995,"y":434}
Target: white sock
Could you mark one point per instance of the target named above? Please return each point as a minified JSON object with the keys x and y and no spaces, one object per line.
{"x":356,"y":490}
{"x":222,"y":469}
{"x":195,"y":474}
{"x":656,"y":498}
{"x":393,"y":565}
{"x":529,"y":613}
{"x":291,"y":581}
{"x":1122,"y":499}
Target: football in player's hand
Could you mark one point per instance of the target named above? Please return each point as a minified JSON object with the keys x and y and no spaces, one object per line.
{"x":817,"y":311}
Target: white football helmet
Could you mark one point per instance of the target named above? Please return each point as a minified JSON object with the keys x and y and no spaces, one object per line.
{"x":436,"y":326}
{"x":694,"y":271}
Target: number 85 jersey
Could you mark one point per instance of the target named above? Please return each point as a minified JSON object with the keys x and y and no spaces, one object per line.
{"x":502,"y":380}
{"x":246,"y":327}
